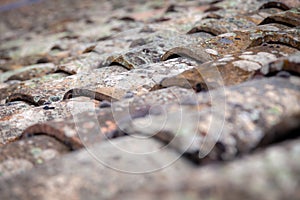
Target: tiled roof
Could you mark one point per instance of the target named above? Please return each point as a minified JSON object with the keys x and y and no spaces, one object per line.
{"x":139,"y":99}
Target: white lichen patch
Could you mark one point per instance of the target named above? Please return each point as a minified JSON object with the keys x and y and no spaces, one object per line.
{"x":228,"y":35}
{"x":247,"y":53}
{"x":283,"y":54}
{"x":221,"y":63}
{"x":69,"y":132}
{"x":247,"y":65}
{"x":295,"y":58}
{"x":227,"y":59}
{"x":269,"y":28}
{"x":262,"y":57}
{"x":212,"y":52}
{"x":49,"y":154}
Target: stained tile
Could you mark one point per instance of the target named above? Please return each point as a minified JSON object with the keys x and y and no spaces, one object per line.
{"x":289,"y":63}
{"x":229,"y":70}
{"x":94,"y":176}
{"x":289,"y":18}
{"x":149,"y":50}
{"x":100,"y":124}
{"x":29,"y":72}
{"x":35,"y":150}
{"x":238,"y":179}
{"x":228,"y":125}
{"x":96,"y":95}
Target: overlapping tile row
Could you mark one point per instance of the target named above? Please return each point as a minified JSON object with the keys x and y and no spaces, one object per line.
{"x":237,"y":41}
{"x":113,"y":82}
{"x":259,"y":174}
{"x":59,"y":39}
{"x":18,"y":117}
{"x":149,"y":50}
{"x":253,"y":5}
{"x":30,"y":72}
{"x":243,"y":127}
{"x":8,"y":88}
{"x":104,"y":121}
{"x":230,"y":69}
{"x":103,"y":86}
{"x":83,"y":176}
{"x":225,"y":123}
{"x":68,"y":38}
{"x":53,"y":90}
{"x":68,"y":172}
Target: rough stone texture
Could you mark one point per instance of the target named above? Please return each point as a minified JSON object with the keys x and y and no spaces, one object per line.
{"x":104,"y":99}
{"x":97,"y":180}
{"x":108,"y":81}
{"x":190,"y":138}
{"x":228,"y":70}
{"x":11,"y":88}
{"x":105,"y":123}
{"x":219,"y":26}
{"x":271,"y":174}
{"x":149,"y":50}
{"x":13,"y":123}
{"x":236,"y":41}
{"x":289,"y":18}
{"x":290,"y":63}
{"x":246,"y":178}
{"x":33,"y":151}
{"x":27,"y":73}
{"x":226,"y":125}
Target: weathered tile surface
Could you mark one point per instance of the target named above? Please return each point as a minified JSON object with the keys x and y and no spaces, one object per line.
{"x":226,"y":124}
{"x":271,"y":174}
{"x":231,"y":69}
{"x":81,"y":181}
{"x":149,"y":99}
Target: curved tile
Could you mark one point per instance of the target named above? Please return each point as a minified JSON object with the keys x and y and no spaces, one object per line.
{"x":149,"y":50}
{"x":234,"y":69}
{"x":140,"y":81}
{"x":237,"y":41}
{"x":194,"y":52}
{"x":35,"y":150}
{"x":12,"y":87}
{"x":275,"y":4}
{"x":219,"y":26}
{"x":289,"y":18}
{"x":99,"y":94}
{"x":54,"y":90}
{"x":254,"y":5}
{"x":259,"y":174}
{"x":17,"y":122}
{"x":212,"y":132}
{"x":28,"y":72}
{"x":104,"y":123}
